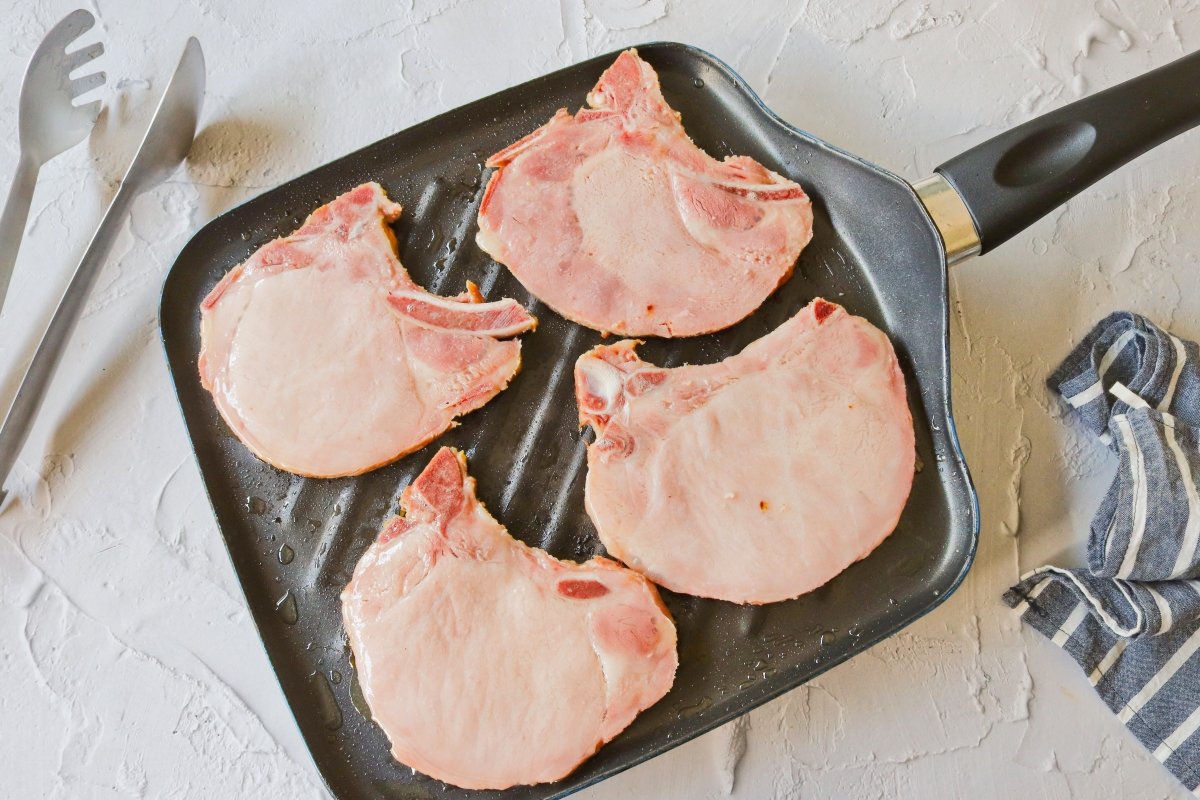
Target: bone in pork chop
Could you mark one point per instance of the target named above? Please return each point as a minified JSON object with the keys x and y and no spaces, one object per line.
{"x":326,"y":359}
{"x":617,"y":221}
{"x":757,"y":478}
{"x":489,"y":663}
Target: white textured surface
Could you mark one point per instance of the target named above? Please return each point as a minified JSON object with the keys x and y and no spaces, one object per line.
{"x":129,"y":665}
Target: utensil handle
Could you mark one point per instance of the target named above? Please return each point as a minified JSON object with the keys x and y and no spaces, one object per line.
{"x":1014,"y":179}
{"x":13,"y":218}
{"x":24,"y":409}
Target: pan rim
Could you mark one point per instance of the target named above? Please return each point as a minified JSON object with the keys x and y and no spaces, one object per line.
{"x":955,"y":458}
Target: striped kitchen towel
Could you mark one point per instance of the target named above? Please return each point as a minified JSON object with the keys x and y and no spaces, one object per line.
{"x":1132,"y":619}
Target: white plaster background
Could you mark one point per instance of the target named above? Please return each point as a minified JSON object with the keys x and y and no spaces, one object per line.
{"x":128,"y":664}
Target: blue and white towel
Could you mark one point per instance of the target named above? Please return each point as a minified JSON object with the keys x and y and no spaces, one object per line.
{"x":1132,"y":619}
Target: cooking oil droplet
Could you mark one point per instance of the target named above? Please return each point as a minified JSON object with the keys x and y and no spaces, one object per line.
{"x":286,"y":608}
{"x":892,"y":601}
{"x":335,"y":677}
{"x":256,"y":505}
{"x":696,"y":707}
{"x":827,"y":638}
{"x":327,"y":705}
{"x":286,"y":554}
{"x":245,"y":237}
{"x":469,"y":179}
{"x":698,"y":83}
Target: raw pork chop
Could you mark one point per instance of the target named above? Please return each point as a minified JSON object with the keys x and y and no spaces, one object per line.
{"x":755,"y":479}
{"x":489,"y":663}
{"x":617,"y":221}
{"x":327,"y":360}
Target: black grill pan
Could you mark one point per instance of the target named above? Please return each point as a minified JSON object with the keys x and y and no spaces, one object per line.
{"x":875,"y":249}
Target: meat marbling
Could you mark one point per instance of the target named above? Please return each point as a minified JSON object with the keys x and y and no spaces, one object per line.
{"x":489,"y":663}
{"x":617,"y":221}
{"x":326,"y":359}
{"x":758,"y":478}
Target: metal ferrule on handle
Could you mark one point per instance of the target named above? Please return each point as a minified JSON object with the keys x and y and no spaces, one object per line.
{"x":950,"y":216}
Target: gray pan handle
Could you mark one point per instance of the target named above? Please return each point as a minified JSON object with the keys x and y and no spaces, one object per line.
{"x":997,"y":189}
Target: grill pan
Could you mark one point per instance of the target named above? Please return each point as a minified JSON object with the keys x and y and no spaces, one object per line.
{"x":880,"y":247}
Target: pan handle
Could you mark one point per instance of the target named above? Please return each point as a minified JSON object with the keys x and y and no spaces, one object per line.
{"x":997,"y":189}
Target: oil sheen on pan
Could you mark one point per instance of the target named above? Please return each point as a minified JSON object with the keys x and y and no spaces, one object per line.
{"x":760,"y":477}
{"x":489,"y":663}
{"x":617,"y":221}
{"x":326,"y":359}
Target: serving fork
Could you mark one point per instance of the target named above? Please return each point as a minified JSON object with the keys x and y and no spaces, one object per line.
{"x":48,"y":122}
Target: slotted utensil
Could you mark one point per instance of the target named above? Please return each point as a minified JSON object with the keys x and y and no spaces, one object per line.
{"x":165,"y":145}
{"x":48,"y":122}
